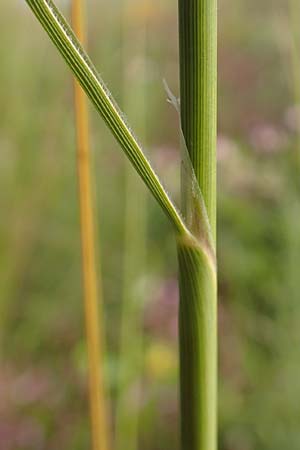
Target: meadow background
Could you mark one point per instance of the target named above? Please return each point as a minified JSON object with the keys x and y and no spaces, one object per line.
{"x":43,"y":373}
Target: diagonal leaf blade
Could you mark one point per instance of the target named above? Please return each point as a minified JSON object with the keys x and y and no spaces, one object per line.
{"x":66,"y":42}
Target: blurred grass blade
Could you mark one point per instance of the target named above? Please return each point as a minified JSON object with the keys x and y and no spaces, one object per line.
{"x":63,"y":37}
{"x":130,"y":366}
{"x":92,"y":289}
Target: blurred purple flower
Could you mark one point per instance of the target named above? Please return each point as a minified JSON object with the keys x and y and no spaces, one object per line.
{"x":292,"y":118}
{"x":28,"y":434}
{"x":225,"y":148}
{"x":267,"y":138}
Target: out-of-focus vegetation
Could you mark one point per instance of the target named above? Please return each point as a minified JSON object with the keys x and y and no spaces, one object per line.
{"x":43,"y":386}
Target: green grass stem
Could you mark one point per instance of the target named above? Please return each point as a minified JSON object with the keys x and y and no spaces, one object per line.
{"x":197,"y":271}
{"x":198,"y":93}
{"x":198,"y":341}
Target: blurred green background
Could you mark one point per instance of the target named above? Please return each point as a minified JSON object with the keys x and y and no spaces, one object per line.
{"x":43,"y":374}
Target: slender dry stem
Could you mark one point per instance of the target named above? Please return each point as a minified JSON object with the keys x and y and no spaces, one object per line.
{"x":92,"y":290}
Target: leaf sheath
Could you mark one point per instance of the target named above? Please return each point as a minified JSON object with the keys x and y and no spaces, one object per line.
{"x":198,"y":347}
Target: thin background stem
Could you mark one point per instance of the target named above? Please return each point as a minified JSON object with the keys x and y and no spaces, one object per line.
{"x":92,"y":290}
{"x":135,"y":235}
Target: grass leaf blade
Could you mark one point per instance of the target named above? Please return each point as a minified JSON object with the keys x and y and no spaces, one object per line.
{"x":66,"y":42}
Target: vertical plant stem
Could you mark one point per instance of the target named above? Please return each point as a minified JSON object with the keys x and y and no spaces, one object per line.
{"x":198,"y":88}
{"x":92,"y":291}
{"x":197,"y":334}
{"x":197,"y":270}
{"x":130,"y":356}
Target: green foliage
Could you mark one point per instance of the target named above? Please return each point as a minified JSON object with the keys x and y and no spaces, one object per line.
{"x":258,"y":233}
